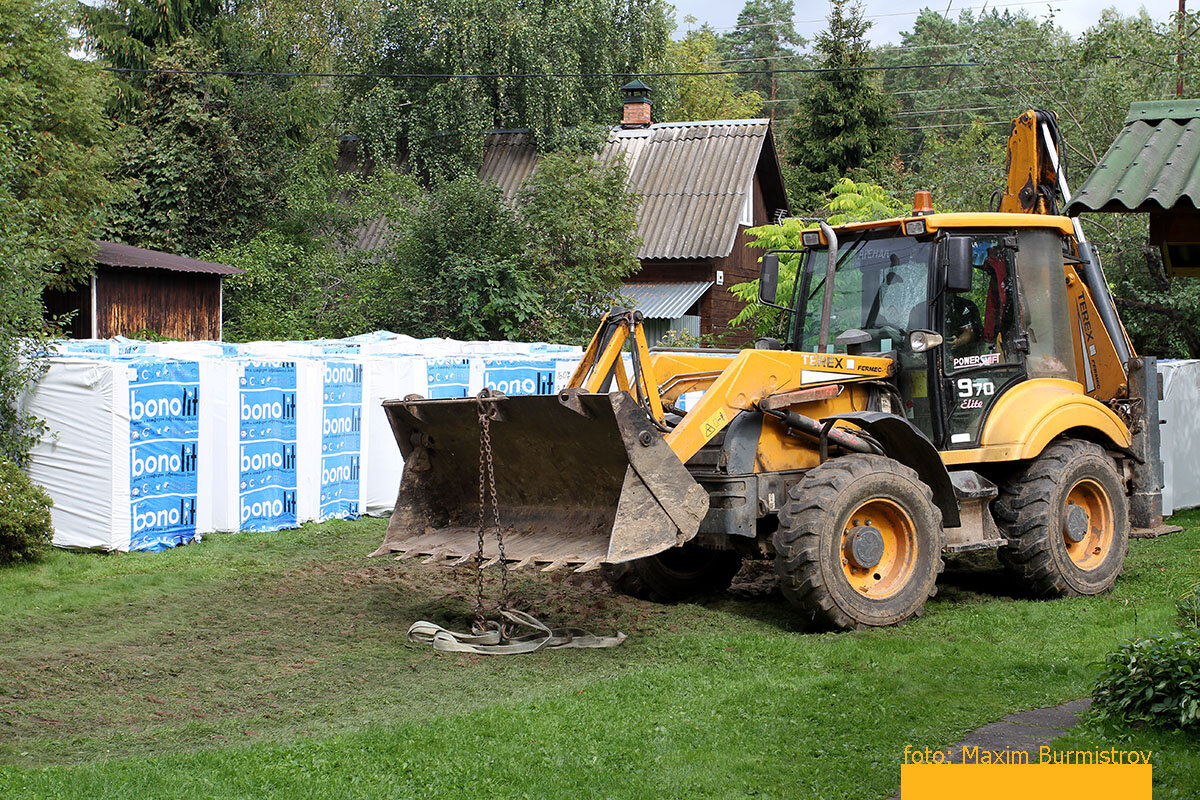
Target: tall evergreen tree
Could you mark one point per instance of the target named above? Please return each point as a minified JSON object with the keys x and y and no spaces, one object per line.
{"x":764,"y":41}
{"x":128,"y":33}
{"x":844,"y":120}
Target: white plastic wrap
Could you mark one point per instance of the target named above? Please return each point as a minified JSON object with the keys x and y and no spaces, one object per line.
{"x":151,"y":444}
{"x":1180,"y":435}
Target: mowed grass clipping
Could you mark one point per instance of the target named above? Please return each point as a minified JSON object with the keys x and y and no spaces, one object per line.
{"x":276,"y":664}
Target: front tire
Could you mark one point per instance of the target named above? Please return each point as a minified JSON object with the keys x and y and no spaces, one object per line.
{"x":1066,"y":520}
{"x":859,"y":543}
{"x":680,"y":573}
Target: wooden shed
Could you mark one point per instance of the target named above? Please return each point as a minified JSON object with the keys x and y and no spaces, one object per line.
{"x":134,"y":290}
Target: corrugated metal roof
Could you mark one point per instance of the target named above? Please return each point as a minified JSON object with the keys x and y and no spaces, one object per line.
{"x":373,"y":234}
{"x":693,"y":178}
{"x":665,"y":300}
{"x":113,"y":254}
{"x":508,"y":158}
{"x":1153,"y":165}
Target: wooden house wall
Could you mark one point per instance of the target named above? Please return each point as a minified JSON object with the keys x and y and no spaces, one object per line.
{"x":177,"y":305}
{"x":740,"y":266}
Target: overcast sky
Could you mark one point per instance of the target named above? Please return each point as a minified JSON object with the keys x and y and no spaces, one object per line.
{"x":890,"y":18}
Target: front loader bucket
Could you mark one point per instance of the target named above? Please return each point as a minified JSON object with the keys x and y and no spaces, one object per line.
{"x":581,"y":479}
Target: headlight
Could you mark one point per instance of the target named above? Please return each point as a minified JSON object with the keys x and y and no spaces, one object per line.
{"x":920,"y":341}
{"x":811,"y":238}
{"x":914,"y":227}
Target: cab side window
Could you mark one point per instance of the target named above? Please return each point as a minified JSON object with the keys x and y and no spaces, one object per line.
{"x":982,"y":324}
{"x":983,"y":352}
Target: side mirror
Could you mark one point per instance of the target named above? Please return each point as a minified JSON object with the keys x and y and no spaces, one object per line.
{"x":958,"y":264}
{"x":768,"y":278}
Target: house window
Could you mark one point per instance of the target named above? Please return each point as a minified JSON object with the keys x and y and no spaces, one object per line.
{"x":682,"y":331}
{"x":747,"y":216}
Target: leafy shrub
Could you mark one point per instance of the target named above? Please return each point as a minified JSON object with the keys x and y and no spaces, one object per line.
{"x":24,"y":515}
{"x":1188,"y":608}
{"x":1155,"y":680}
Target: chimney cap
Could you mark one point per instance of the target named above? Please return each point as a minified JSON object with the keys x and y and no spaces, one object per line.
{"x":636,"y":92}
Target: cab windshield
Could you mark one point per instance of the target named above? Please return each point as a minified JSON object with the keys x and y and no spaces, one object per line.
{"x":881,"y":286}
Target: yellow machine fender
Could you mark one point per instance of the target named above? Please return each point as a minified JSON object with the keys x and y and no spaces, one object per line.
{"x":904,"y":442}
{"x":1031,"y":414}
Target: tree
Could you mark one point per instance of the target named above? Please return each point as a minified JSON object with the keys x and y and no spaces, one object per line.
{"x":582,"y":47}
{"x":844,"y":120}
{"x":128,"y":34}
{"x":848,"y":202}
{"x":457,"y":268}
{"x":54,"y":149}
{"x":764,"y":41}
{"x":470,"y":265}
{"x":580,"y":223}
{"x":305,"y":275}
{"x":206,"y":157}
{"x":698,"y":96}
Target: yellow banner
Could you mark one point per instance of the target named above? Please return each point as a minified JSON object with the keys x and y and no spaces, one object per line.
{"x":1025,"y":781}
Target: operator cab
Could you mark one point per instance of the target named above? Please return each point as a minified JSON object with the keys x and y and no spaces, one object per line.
{"x":967,"y":306}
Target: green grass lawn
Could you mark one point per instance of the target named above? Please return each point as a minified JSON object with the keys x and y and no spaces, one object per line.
{"x":276,"y":664}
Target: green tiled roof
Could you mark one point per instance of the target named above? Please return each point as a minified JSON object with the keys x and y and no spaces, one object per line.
{"x":1153,"y":165}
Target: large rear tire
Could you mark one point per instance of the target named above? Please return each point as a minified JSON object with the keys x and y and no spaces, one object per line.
{"x":1066,"y":521}
{"x":680,"y":573}
{"x":859,"y":543}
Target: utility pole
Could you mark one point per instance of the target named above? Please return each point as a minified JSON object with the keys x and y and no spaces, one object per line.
{"x":1179,"y":55}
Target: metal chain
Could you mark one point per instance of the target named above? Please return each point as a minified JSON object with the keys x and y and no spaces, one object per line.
{"x":491,"y":474}
{"x":483,"y":444}
{"x":487,"y":484}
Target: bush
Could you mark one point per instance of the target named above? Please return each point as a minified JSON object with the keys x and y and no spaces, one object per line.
{"x":1155,"y":680}
{"x":24,"y":515}
{"x":1188,"y":610}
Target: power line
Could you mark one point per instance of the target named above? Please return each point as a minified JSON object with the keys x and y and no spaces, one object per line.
{"x":533,"y":75}
{"x":945,"y":111}
{"x":795,"y":21}
{"x":988,"y":86}
{"x":958,"y":125}
{"x":882,"y":49}
{"x":543,"y":75}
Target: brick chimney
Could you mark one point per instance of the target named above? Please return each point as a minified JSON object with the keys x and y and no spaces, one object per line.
{"x":637,"y":105}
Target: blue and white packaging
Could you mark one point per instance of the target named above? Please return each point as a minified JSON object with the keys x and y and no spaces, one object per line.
{"x":164,"y":435}
{"x":267,"y":446}
{"x":152,"y":444}
{"x":341,"y":439}
{"x":453,"y":376}
{"x":517,"y":376}
{"x":385,"y":379}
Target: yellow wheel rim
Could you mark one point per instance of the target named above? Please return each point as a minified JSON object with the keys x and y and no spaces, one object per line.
{"x":1092,"y":548}
{"x":899,"y":552}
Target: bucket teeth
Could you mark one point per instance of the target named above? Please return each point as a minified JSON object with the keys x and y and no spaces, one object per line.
{"x":447,"y":557}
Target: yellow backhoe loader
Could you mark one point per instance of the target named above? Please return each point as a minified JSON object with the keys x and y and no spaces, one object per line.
{"x":945,"y":382}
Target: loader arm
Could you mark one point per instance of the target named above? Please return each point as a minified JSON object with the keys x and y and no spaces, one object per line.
{"x":1036,"y":183}
{"x":730,"y":385}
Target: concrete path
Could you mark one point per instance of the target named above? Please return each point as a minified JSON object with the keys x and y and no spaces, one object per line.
{"x":1025,"y":731}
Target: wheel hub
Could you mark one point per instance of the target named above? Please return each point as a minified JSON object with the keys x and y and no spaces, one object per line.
{"x":864,"y":546}
{"x":1075,"y":523}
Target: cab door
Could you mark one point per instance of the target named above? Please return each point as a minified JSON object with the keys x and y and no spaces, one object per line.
{"x":983,"y":350}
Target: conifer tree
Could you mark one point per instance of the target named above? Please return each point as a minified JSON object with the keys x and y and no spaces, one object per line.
{"x":844,"y":120}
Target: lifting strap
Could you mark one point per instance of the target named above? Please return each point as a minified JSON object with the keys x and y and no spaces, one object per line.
{"x":492,"y":642}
